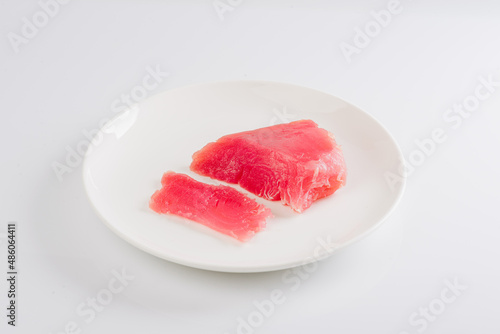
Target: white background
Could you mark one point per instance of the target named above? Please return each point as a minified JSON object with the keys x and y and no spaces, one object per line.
{"x":430,"y":56}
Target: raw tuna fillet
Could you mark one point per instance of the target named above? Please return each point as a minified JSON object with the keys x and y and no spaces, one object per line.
{"x":296,"y":163}
{"x":221,"y":208}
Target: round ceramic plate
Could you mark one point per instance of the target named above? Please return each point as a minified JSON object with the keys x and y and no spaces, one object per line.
{"x":126,"y":160}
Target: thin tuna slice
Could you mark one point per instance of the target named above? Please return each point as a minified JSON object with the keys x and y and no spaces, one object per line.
{"x":221,"y":208}
{"x":295,"y":163}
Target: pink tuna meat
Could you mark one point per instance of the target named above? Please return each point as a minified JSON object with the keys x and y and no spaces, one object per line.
{"x":296,"y":163}
{"x":221,"y":208}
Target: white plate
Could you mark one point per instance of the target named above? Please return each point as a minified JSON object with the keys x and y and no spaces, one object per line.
{"x":125,"y":162}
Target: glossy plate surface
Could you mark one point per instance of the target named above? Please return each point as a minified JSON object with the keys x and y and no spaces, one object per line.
{"x":126,"y":160}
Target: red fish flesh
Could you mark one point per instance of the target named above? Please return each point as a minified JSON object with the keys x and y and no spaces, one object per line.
{"x":221,"y":208}
{"x":296,"y":163}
